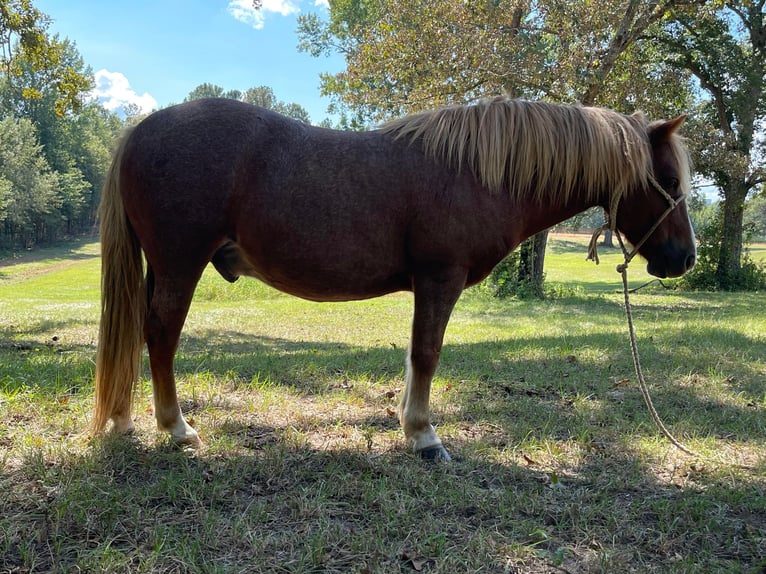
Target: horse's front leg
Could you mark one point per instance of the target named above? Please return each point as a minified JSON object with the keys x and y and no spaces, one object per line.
{"x":435,"y":297}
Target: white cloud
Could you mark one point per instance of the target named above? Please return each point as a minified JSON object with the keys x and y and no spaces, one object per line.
{"x":113,"y":91}
{"x":244,"y":11}
{"x":323,"y":3}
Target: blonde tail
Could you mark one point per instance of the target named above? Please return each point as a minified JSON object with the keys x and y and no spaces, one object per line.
{"x":123,"y":307}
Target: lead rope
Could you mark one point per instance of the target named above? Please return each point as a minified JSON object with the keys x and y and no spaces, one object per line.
{"x":622,"y":269}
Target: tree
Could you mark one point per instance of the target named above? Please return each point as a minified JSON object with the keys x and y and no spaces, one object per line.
{"x":406,"y":55}
{"x":259,"y":96}
{"x":206,"y":90}
{"x":24,"y":43}
{"x":28,"y":185}
{"x":76,"y":145}
{"x":723,"y":44}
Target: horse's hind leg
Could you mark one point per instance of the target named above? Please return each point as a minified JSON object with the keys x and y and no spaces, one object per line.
{"x":169,"y":301}
{"x":435,"y":297}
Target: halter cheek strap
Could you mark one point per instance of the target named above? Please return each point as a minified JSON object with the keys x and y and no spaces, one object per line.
{"x":611,"y":225}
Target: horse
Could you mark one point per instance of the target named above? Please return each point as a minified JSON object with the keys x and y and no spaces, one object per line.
{"x":428,"y":203}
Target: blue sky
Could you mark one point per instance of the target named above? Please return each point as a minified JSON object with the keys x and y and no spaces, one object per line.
{"x":154,"y":52}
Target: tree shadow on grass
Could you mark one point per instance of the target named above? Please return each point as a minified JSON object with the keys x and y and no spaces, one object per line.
{"x":272,"y":504}
{"x":70,"y":250}
{"x":498,"y":380}
{"x":563,"y":381}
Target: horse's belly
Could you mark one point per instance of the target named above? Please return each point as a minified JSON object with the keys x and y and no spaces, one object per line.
{"x":314,"y":278}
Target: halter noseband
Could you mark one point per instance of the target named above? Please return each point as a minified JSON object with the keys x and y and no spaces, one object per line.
{"x":611,"y":225}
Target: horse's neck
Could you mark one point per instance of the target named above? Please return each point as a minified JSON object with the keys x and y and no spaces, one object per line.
{"x":541,"y":215}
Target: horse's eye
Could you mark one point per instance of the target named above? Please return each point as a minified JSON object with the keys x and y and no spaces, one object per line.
{"x":674,"y":183}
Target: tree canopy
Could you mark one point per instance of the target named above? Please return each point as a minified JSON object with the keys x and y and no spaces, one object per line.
{"x":25,"y":47}
{"x":724,"y":46}
{"x":664,"y":57}
{"x":406,"y":55}
{"x":258,"y":96}
{"x":54,"y":143}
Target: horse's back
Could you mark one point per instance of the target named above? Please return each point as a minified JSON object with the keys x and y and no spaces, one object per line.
{"x":308,"y":210}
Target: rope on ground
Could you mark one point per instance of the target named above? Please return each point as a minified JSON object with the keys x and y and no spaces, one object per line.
{"x":622,"y":269}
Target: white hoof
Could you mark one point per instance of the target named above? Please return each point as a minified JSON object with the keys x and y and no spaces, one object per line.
{"x":184,"y":435}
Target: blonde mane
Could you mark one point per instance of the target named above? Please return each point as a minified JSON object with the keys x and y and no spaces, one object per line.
{"x":546,"y":151}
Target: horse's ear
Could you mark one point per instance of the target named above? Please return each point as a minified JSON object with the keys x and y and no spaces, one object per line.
{"x":661,"y":131}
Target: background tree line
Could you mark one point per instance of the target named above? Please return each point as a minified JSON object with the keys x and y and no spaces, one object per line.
{"x":56,"y":141}
{"x":54,"y":146}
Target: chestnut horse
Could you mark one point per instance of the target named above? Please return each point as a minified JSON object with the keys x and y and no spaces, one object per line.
{"x":429,"y":203}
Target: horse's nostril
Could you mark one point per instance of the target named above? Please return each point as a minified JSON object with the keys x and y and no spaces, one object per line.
{"x":690,"y":261}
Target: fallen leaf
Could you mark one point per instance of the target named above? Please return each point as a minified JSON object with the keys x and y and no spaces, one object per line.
{"x":390,"y":412}
{"x":418,"y":562}
{"x":528,"y":460}
{"x":620,"y":383}
{"x":407,"y":554}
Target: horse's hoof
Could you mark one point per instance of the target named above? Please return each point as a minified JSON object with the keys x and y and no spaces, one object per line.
{"x":123,"y":426}
{"x":435,"y":454}
{"x":192,"y":442}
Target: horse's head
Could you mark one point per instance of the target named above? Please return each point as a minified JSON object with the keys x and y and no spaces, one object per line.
{"x":670,"y":249}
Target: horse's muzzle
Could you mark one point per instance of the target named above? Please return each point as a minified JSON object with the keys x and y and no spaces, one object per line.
{"x":672,"y":265}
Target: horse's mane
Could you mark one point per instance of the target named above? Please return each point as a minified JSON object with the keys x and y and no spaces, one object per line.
{"x":536,"y":148}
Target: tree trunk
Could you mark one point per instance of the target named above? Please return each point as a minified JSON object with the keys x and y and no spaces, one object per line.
{"x":729,"y":266}
{"x":532,"y":263}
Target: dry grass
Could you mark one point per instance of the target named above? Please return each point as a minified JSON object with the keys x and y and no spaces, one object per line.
{"x":558,"y":466}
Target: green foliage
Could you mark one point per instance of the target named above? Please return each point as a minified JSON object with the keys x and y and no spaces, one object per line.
{"x":505,"y":281}
{"x":561,"y":51}
{"x":205,"y":90}
{"x":56,"y":165}
{"x":27,"y":47}
{"x":29,"y":186}
{"x":706,"y":274}
{"x":755,"y":216}
{"x":72,"y":149}
{"x":723,"y":44}
{"x":259,"y":96}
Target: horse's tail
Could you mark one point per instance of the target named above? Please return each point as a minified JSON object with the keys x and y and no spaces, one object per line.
{"x":123,"y":305}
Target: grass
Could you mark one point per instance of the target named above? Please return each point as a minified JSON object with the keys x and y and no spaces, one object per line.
{"x":558,"y":466}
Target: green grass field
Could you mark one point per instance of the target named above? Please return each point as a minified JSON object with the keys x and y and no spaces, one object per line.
{"x":558,"y":466}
